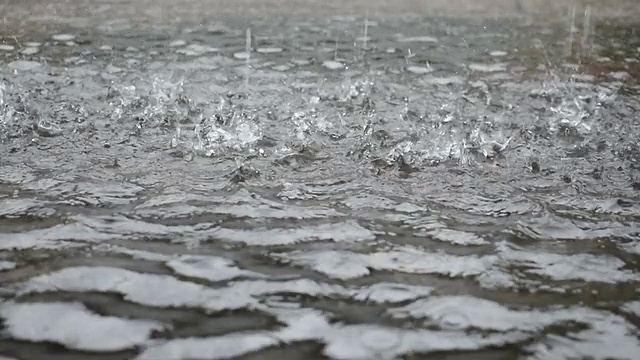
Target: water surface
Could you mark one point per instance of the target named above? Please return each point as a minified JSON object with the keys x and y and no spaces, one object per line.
{"x":347,"y":188}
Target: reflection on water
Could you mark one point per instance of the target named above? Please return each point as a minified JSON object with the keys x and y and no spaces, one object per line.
{"x":419,"y":189}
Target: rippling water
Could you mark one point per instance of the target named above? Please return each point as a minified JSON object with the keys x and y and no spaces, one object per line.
{"x":341,"y":189}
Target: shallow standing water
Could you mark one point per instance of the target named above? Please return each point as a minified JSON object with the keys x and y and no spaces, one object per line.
{"x":346,"y":188}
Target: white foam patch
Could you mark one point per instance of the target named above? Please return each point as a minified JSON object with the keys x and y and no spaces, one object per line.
{"x":145,"y":289}
{"x":211,"y":348}
{"x":7,"y":265}
{"x":197,"y":50}
{"x":366,"y":201}
{"x":210,"y":268}
{"x":442,"y":81}
{"x":56,"y":236}
{"x":423,"y":39}
{"x":271,"y":211}
{"x":419,"y":70}
{"x":348,"y":265}
{"x":365,"y":342}
{"x":607,"y":336}
{"x":342,"y":265}
{"x":632,"y":308}
{"x":136,"y":254}
{"x":457,"y":237}
{"x":348,"y":342}
{"x":469,"y":312}
{"x":491,"y":271}
{"x":333,"y":65}
{"x":339,"y":232}
{"x":411,"y":260}
{"x":498,"y":53}
{"x":488,"y":68}
{"x":584,"y":267}
{"x":73,"y":326}
{"x":29,"y":240}
{"x":633,"y":247}
{"x":106,"y":227}
{"x":63,"y":37}
{"x":296,"y":286}
{"x":391,"y":293}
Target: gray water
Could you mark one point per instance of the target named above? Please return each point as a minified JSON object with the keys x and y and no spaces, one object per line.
{"x":436,"y":189}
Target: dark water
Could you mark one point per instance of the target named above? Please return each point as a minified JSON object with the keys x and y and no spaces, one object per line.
{"x":439,"y":190}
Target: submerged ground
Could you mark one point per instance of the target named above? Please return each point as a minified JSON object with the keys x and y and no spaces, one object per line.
{"x":367,"y":186}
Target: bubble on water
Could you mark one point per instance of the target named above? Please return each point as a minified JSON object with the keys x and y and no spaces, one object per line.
{"x":48,"y":128}
{"x":570,"y":116}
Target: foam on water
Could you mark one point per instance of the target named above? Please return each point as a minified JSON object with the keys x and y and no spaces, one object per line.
{"x":72,"y":325}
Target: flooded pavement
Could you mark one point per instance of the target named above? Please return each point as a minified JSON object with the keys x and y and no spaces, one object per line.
{"x":338,"y":188}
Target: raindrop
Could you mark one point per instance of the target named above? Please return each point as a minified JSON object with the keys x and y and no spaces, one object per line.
{"x":48,"y":129}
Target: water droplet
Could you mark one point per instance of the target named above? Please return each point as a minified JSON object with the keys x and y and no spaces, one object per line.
{"x":48,"y":128}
